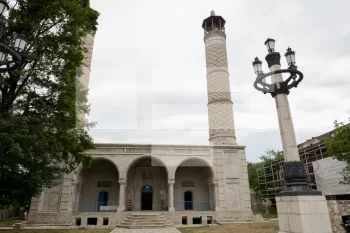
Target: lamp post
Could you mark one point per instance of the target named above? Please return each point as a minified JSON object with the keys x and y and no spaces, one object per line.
{"x":294,"y":171}
{"x":10,"y":57}
{"x":296,"y":203}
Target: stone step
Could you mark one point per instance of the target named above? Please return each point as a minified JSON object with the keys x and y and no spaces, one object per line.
{"x":146,"y":220}
{"x":145,"y":226}
{"x":139,"y":221}
{"x":145,"y":216}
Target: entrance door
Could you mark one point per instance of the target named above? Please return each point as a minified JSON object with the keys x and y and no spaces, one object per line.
{"x":146,"y":198}
{"x":102,"y":200}
{"x":188,"y":200}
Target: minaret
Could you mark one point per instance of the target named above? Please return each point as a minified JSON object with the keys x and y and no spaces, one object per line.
{"x":86,"y":64}
{"x":83,"y":72}
{"x":84,"y":75}
{"x":221,"y":124}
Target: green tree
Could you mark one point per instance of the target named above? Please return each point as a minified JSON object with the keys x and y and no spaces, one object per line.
{"x":252,"y":175}
{"x":269,"y":156}
{"x":40,"y":136}
{"x":338,"y":147}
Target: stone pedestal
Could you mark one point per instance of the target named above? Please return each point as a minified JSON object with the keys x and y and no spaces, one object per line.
{"x":303,"y":214}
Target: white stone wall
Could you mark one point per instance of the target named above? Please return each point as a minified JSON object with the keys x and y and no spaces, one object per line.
{"x":219,"y":174}
{"x":303,"y":214}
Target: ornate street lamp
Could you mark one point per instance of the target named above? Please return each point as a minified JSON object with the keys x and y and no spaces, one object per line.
{"x":294,"y":171}
{"x":257,"y":66}
{"x":4,"y":7}
{"x":10,"y":58}
{"x":20,"y":43}
{"x":270,"y":44}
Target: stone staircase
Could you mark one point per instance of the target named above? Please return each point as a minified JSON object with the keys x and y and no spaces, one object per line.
{"x":145,"y":220}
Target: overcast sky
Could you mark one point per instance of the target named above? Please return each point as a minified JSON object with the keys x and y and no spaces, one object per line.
{"x":148,"y":80}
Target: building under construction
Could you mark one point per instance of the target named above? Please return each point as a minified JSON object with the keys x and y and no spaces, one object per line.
{"x":270,"y":177}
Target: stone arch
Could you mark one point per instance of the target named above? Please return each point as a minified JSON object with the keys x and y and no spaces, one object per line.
{"x":101,"y":176}
{"x":202,"y":161}
{"x":158,"y":160}
{"x":194,"y":175}
{"x":80,"y":167}
{"x":146,"y":171}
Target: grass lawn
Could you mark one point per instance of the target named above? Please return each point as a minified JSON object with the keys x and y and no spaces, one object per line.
{"x":63,"y":231}
{"x":264,"y":227}
{"x":272,"y":214}
{"x":4,"y":222}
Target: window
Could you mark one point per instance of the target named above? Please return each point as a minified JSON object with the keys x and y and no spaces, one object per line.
{"x":184,"y":220}
{"x":92,"y":221}
{"x":209,"y":220}
{"x":78,"y":221}
{"x":197,"y":220}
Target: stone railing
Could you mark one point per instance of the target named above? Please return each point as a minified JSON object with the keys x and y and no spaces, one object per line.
{"x":91,"y":206}
{"x":151,"y":151}
{"x":194,"y":205}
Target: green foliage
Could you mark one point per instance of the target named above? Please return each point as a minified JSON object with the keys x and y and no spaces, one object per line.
{"x":271,"y":156}
{"x":252,"y":175}
{"x":39,"y":102}
{"x":338,"y":147}
{"x":268,"y":157}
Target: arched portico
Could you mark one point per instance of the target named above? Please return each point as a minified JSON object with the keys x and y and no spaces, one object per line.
{"x":97,"y":187}
{"x":193,"y":187}
{"x":146,"y":173}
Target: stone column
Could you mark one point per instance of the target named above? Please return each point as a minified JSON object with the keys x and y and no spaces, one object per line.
{"x":171,"y":195}
{"x":216,"y":191}
{"x":289,"y":143}
{"x":121,"y":206}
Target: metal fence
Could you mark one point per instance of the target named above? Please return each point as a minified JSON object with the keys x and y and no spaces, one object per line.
{"x":195,"y":205}
{"x":93,"y":206}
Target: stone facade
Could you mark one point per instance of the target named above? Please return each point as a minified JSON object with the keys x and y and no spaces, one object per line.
{"x":189,"y":181}
{"x":336,"y":210}
{"x":216,"y":176}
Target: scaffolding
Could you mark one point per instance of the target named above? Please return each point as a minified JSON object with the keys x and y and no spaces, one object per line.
{"x":270,"y":177}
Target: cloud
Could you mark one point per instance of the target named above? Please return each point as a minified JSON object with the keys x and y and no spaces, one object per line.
{"x":148,"y":80}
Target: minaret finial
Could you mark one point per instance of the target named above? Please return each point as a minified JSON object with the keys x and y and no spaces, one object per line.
{"x":212,"y":13}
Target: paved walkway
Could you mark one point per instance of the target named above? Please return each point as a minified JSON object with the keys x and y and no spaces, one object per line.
{"x":158,"y":230}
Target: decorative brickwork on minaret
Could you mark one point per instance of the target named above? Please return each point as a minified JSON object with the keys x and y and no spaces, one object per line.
{"x":221,"y":124}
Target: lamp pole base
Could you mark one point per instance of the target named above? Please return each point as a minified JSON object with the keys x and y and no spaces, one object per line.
{"x":296,"y":181}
